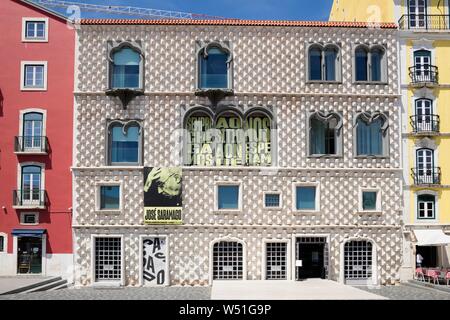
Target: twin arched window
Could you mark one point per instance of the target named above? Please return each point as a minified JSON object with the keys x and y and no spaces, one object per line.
{"x":370,"y":63}
{"x":323,"y":63}
{"x":371,"y":134}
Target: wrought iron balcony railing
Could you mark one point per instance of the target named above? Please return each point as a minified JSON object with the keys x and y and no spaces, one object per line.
{"x":424,"y":22}
{"x":426,"y":176}
{"x":32,"y":198}
{"x":31,"y":144}
{"x":424,"y":74}
{"x":426,"y":124}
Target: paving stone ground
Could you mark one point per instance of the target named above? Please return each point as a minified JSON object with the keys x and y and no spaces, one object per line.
{"x":401,"y":292}
{"x":406,"y":292}
{"x":168,"y":293}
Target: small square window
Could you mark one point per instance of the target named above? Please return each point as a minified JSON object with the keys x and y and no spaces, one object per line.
{"x":369,"y":200}
{"x":272,"y":200}
{"x":29,"y":218}
{"x":228,"y":197}
{"x":306,"y":198}
{"x":109,"y":197}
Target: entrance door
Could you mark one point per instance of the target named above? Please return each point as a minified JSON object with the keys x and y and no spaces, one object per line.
{"x":417,"y":13}
{"x":154,"y":261}
{"x":422,"y":64}
{"x":425,"y":165}
{"x":29,"y":255}
{"x":276,"y":261}
{"x":310,"y":253}
{"x":429,"y":255}
{"x":424,"y":113}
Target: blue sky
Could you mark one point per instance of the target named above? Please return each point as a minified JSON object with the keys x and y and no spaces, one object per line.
{"x":243,"y":9}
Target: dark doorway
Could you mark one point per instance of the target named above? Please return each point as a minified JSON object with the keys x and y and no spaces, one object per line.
{"x":311,"y":253}
{"x":429,"y":255}
{"x":29,"y":255}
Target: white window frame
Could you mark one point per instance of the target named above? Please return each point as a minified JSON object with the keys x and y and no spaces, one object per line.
{"x":23,"y":64}
{"x":294,"y":197}
{"x":25,"y":20}
{"x":98,"y":186}
{"x":5,"y":243}
{"x":216,"y":196}
{"x":121,"y":281}
{"x":19,"y":180}
{"x":265,"y":193}
{"x":378,"y":208}
{"x":436,"y":207}
{"x":22,"y":218}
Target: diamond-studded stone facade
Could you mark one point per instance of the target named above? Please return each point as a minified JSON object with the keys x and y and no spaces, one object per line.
{"x":269,"y":68}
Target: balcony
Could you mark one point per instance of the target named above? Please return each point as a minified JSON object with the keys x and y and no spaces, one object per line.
{"x":426,"y":176}
{"x":31,"y":145}
{"x":424,"y":75}
{"x":420,"y":22}
{"x":425,"y":125}
{"x":29,"y":199}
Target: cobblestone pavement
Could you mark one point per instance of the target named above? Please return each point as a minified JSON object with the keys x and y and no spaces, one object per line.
{"x":170,"y":293}
{"x":406,"y":292}
{"x":401,"y":292}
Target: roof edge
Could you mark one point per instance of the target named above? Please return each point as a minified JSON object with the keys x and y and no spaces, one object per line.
{"x":238,"y":22}
{"x":45,"y":9}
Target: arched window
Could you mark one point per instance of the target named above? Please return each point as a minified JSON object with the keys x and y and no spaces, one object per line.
{"x":426,"y":173}
{"x":213,"y":63}
{"x":426,"y":206}
{"x":32,"y":130}
{"x":126,"y":69}
{"x":371,"y":132}
{"x":370,"y":63}
{"x":125,"y":143}
{"x":358,"y":261}
{"x":323,"y":63}
{"x":425,"y":120}
{"x":228,"y":260}
{"x":324,"y":136}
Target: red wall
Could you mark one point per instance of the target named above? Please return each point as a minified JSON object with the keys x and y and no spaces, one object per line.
{"x":57,"y":100}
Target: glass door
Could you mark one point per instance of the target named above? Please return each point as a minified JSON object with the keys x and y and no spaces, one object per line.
{"x":32,"y":130}
{"x":422,"y":64}
{"x":425,"y":166}
{"x":31,"y":185}
{"x":424,"y":114}
{"x":417,"y":13}
{"x":29,"y":255}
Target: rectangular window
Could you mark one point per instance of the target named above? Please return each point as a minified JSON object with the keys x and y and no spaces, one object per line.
{"x":272,"y":200}
{"x":306,"y":198}
{"x":276,"y":261}
{"x":369,"y":199}
{"x":34,"y":75}
{"x":2,"y":244}
{"x":109,"y":197}
{"x":29,"y":218}
{"x":426,"y":206}
{"x":108,"y":259}
{"x":228,"y":197}
{"x":34,"y":29}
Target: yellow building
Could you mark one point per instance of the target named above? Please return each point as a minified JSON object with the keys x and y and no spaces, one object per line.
{"x":424,"y":83}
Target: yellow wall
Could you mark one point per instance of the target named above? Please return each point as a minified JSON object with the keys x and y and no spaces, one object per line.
{"x":442,"y":108}
{"x":363,"y":11}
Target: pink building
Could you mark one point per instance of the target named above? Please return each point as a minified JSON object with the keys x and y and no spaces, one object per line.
{"x":36,"y":102}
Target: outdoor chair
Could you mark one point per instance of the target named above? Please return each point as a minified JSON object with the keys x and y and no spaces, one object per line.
{"x":433,"y":274}
{"x":420,"y":274}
